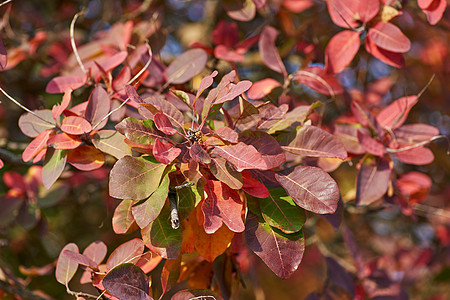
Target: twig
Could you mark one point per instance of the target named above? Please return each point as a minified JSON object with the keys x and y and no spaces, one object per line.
{"x":392,"y":150}
{"x":24,"y":107}
{"x":145,"y":66}
{"x":426,"y":86}
{"x":5,"y":2}
{"x":72,"y":40}
{"x":110,"y":113}
{"x":432,"y":210}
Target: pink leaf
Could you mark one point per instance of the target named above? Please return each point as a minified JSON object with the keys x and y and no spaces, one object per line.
{"x":228,"y":54}
{"x":415,"y":133}
{"x":414,"y":186}
{"x":36,"y":145}
{"x":80,"y":259}
{"x":242,"y":156}
{"x":75,"y":125}
{"x":262,"y":88}
{"x":57,"y":110}
{"x":128,"y":252}
{"x":391,"y":58}
{"x":227,"y":134}
{"x":3,"y":57}
{"x":165,"y":152}
{"x":66,"y":268}
{"x":96,"y":251}
{"x":233,"y":91}
{"x":132,"y":94}
{"x":389,"y":37}
{"x":434,"y":11}
{"x":2,"y":164}
{"x":186,"y":66}
{"x":199,"y":154}
{"x":311,"y":188}
{"x":269,"y":52}
{"x":98,"y":107}
{"x":318,"y":79}
{"x":222,"y":204}
{"x":370,"y":145}
{"x":372,"y":181}
{"x":122,"y":78}
{"x":416,"y":156}
{"x":297,"y":6}
{"x":395,"y":114}
{"x":206,"y":83}
{"x":162,"y":122}
{"x":62,"y":83}
{"x":341,"y":50}
{"x":64,"y":141}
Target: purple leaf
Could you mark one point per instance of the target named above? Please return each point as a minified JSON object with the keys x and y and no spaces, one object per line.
{"x":3,"y":57}
{"x":199,"y":154}
{"x":80,"y":259}
{"x":242,"y":156}
{"x":270,"y":150}
{"x":316,"y":142}
{"x":186,"y":66}
{"x":281,"y":252}
{"x":98,"y":107}
{"x":127,"y":281}
{"x":206,"y":83}
{"x":132,"y":94}
{"x":311,"y":188}
{"x":269,"y":52}
{"x":196,"y":294}
{"x":372,"y":181}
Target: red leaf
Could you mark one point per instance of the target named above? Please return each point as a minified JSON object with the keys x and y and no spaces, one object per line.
{"x":162,"y":122}
{"x":416,"y":156}
{"x":253,"y":187}
{"x":111,"y":62}
{"x":391,"y":58}
{"x":227,"y":134}
{"x":269,"y":148}
{"x":2,"y":164}
{"x":132,"y":94}
{"x":341,"y":50}
{"x":199,"y":154}
{"x":226,"y":34}
{"x":206,"y":83}
{"x":281,"y":252}
{"x":186,"y":66}
{"x":434,"y":11}
{"x":122,"y":78}
{"x":15,"y":181}
{"x":370,"y":145}
{"x":75,"y":125}
{"x":223,"y":204}
{"x":98,"y":107}
{"x":389,"y":37}
{"x":241,"y":10}
{"x":36,"y":145}
{"x":62,"y":83}
{"x":311,"y":188}
{"x":128,"y":252}
{"x":297,"y":6}
{"x":372,"y":181}
{"x":66,"y":268}
{"x":86,"y":158}
{"x":242,"y":156}
{"x":349,"y":13}
{"x":319,"y":80}
{"x":57,"y":109}
{"x":165,"y":152}
{"x":269,"y":52}
{"x":316,"y":142}
{"x":262,"y":88}
{"x":224,"y":53}
{"x":395,"y":114}
{"x":363,"y":115}
{"x":424,"y":4}
{"x":64,"y":141}
{"x":3,"y":57}
{"x":123,"y":220}
{"x":414,"y":186}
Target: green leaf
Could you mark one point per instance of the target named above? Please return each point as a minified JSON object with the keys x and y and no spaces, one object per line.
{"x":182,"y":96}
{"x":280,"y":211}
{"x":139,"y":131}
{"x":225,"y":172}
{"x":149,"y":210}
{"x":188,"y":198}
{"x":123,"y":221}
{"x":161,"y":238}
{"x":134,"y":178}
{"x":54,"y":163}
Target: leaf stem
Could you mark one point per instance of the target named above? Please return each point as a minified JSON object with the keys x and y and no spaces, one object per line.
{"x":24,"y":107}
{"x":145,"y":66}
{"x":72,"y":40}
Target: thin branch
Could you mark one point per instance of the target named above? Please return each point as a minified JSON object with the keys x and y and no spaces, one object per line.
{"x":145,"y":66}
{"x":5,"y":2}
{"x":426,"y":86}
{"x":24,"y":107}
{"x":72,"y":40}
{"x":320,"y":79}
{"x":430,"y":210}
{"x":110,"y":113}
{"x":392,"y":150}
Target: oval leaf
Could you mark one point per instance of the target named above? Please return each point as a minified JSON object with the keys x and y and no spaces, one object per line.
{"x":311,"y":188}
{"x":416,"y":156}
{"x":123,"y":220}
{"x":96,"y":251}
{"x":54,"y":163}
{"x":269,"y":148}
{"x":86,"y":158}
{"x":61,"y":83}
{"x":3,"y":56}
{"x":65,"y":267}
{"x":75,"y":125}
{"x":31,"y":125}
{"x":226,"y":173}
{"x":395,"y":114}
{"x":241,"y":10}
{"x":165,"y":152}
{"x":128,"y":252}
{"x":186,"y":66}
{"x":64,"y":141}
{"x":98,"y":107}
{"x":341,"y":50}
{"x":391,"y":58}
{"x":372,"y":181}
{"x":196,"y":294}
{"x":112,"y":143}
{"x":319,"y":80}
{"x":162,"y":122}
{"x":269,"y":52}
{"x":389,"y":37}
{"x":127,"y":281}
{"x":262,"y":88}
{"x":36,"y":145}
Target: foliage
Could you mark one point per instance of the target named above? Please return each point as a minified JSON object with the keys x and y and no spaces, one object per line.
{"x":218,"y":129}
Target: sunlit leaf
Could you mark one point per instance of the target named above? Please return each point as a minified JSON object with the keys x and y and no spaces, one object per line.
{"x":316,"y":142}
{"x":61,"y":83}
{"x":128,"y":252}
{"x":98,"y":107}
{"x":163,"y":124}
{"x":65,"y":267}
{"x":134,"y":178}
{"x":206,"y":83}
{"x":416,"y":156}
{"x":241,"y":10}
{"x":112,"y":143}
{"x":227,"y":134}
{"x":269,"y":52}
{"x":127,"y":281}
{"x":311,"y":188}
{"x":80,"y":259}
{"x":371,"y":145}
{"x":270,"y":150}
{"x":388,"y":57}
{"x":341,"y":50}
{"x":165,"y":152}
{"x":138,"y":131}
{"x":242,"y":156}
{"x":196,"y":294}
{"x":58,"y":109}
{"x":123,"y":220}
{"x":36,"y":145}
{"x":389,"y":37}
{"x":96,"y":251}
{"x":281,"y":252}
{"x":64,"y":141}
{"x":395,"y":114}
{"x":149,"y":210}
{"x":262,"y":88}
{"x":54,"y":163}
{"x":199,"y":154}
{"x":226,"y":173}
{"x":31,"y":126}
{"x":319,"y":80}
{"x":75,"y":125}
{"x":86,"y":158}
{"x":253,"y":187}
